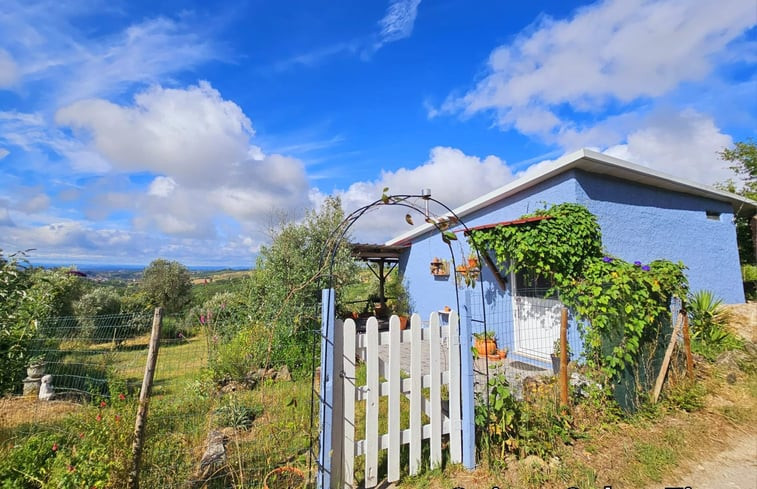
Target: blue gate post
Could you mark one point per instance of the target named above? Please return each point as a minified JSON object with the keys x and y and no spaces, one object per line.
{"x":327,"y":388}
{"x":466,"y":384}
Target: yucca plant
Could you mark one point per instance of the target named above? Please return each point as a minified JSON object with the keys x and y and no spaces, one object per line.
{"x":708,"y":325}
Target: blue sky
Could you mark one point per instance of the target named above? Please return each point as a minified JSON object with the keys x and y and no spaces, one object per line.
{"x":185,"y":130}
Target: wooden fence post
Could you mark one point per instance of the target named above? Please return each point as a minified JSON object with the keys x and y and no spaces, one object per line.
{"x":564,"y":357}
{"x":144,"y":399}
{"x":665,"y":362}
{"x":687,"y":346}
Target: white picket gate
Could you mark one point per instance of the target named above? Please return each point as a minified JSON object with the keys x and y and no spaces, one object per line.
{"x":350,"y":345}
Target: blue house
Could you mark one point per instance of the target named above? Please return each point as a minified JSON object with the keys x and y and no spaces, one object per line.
{"x":644,"y":215}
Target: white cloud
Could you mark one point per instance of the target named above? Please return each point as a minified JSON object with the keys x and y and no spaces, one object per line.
{"x":8,"y":70}
{"x":49,"y":47}
{"x":453,"y":177}
{"x":5,"y":217}
{"x":197,"y":146}
{"x":616,"y":51}
{"x":185,"y":133}
{"x":3,"y":153}
{"x":683,"y":144}
{"x":162,"y":187}
{"x":398,"y":21}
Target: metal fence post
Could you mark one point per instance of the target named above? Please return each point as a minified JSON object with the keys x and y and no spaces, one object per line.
{"x":466,"y":384}
{"x":327,"y":388}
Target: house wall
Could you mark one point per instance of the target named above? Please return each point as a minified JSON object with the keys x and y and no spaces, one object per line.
{"x":637,"y":222}
{"x":644,"y":223}
{"x":429,"y":293}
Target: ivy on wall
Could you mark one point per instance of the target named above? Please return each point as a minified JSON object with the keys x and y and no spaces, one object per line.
{"x":621,"y":304}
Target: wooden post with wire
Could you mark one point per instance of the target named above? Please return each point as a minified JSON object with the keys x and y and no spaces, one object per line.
{"x":666,"y":360}
{"x":687,"y":346}
{"x":564,"y":357}
{"x":144,"y":399}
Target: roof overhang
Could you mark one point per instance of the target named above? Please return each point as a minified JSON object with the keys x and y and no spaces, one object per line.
{"x":591,"y":162}
{"x":377,"y":252}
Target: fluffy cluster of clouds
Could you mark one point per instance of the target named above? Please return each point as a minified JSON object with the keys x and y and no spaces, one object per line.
{"x":181,"y":160}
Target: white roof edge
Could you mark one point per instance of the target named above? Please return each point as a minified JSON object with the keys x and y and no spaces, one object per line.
{"x":574,"y":161}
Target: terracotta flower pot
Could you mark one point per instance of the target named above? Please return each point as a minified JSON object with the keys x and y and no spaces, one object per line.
{"x":403,"y":323}
{"x":486,"y":346}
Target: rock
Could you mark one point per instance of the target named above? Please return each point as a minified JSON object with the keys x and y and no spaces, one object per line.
{"x":232,"y":387}
{"x":731,"y":360}
{"x":283,"y":374}
{"x":214,"y":458}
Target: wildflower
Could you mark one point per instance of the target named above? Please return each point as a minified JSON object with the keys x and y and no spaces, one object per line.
{"x":55,"y":447}
{"x":118,"y":418}
{"x":81,"y":435}
{"x":71,"y":468}
{"x":607,"y":259}
{"x":180,"y":335}
{"x":202,"y":318}
{"x":646,"y":268}
{"x":637,"y":263}
{"x":98,"y":417}
{"x":121,"y":397}
{"x":102,"y":404}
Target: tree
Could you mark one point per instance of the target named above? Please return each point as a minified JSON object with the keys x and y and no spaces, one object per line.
{"x":26,"y":294}
{"x":167,"y":284}
{"x":285,"y":288}
{"x":743,"y":157}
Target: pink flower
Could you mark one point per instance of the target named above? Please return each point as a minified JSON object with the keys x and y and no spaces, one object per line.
{"x":81,"y":435}
{"x":118,"y":418}
{"x":121,"y":397}
{"x":55,"y":447}
{"x":71,"y":468}
{"x":98,"y":417}
{"x":202,"y":318}
{"x":102,"y":404}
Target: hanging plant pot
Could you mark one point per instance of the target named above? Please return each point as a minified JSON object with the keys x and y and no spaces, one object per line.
{"x":284,"y":478}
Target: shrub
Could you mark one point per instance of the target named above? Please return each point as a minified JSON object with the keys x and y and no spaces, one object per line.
{"x":709,"y":336}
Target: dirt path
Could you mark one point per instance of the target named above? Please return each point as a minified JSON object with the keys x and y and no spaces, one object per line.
{"x":733,"y":468}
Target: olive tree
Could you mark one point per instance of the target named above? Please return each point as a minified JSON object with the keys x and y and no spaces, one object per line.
{"x":167,"y":284}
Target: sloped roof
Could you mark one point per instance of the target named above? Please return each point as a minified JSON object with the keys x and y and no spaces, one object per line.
{"x":599,"y":163}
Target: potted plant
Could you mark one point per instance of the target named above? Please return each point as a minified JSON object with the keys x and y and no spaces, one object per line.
{"x":486,"y":343}
{"x":502,"y":353}
{"x":556,"y":356}
{"x":36,"y":367}
{"x":472,"y":260}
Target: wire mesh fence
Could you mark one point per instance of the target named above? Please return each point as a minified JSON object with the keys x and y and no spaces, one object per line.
{"x":200,"y":431}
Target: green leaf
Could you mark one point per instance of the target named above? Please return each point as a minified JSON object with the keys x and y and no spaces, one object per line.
{"x":450,"y":235}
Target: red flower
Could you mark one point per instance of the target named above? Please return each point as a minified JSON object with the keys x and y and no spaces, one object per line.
{"x":118,"y":418}
{"x":121,"y":397}
{"x":99,"y":417}
{"x":71,"y":468}
{"x":102,"y":404}
{"x":55,"y":447}
{"x":81,"y":435}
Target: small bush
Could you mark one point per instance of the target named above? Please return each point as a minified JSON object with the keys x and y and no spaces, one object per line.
{"x":709,"y":336}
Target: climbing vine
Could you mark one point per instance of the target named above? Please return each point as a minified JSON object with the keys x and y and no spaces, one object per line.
{"x":621,"y":304}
